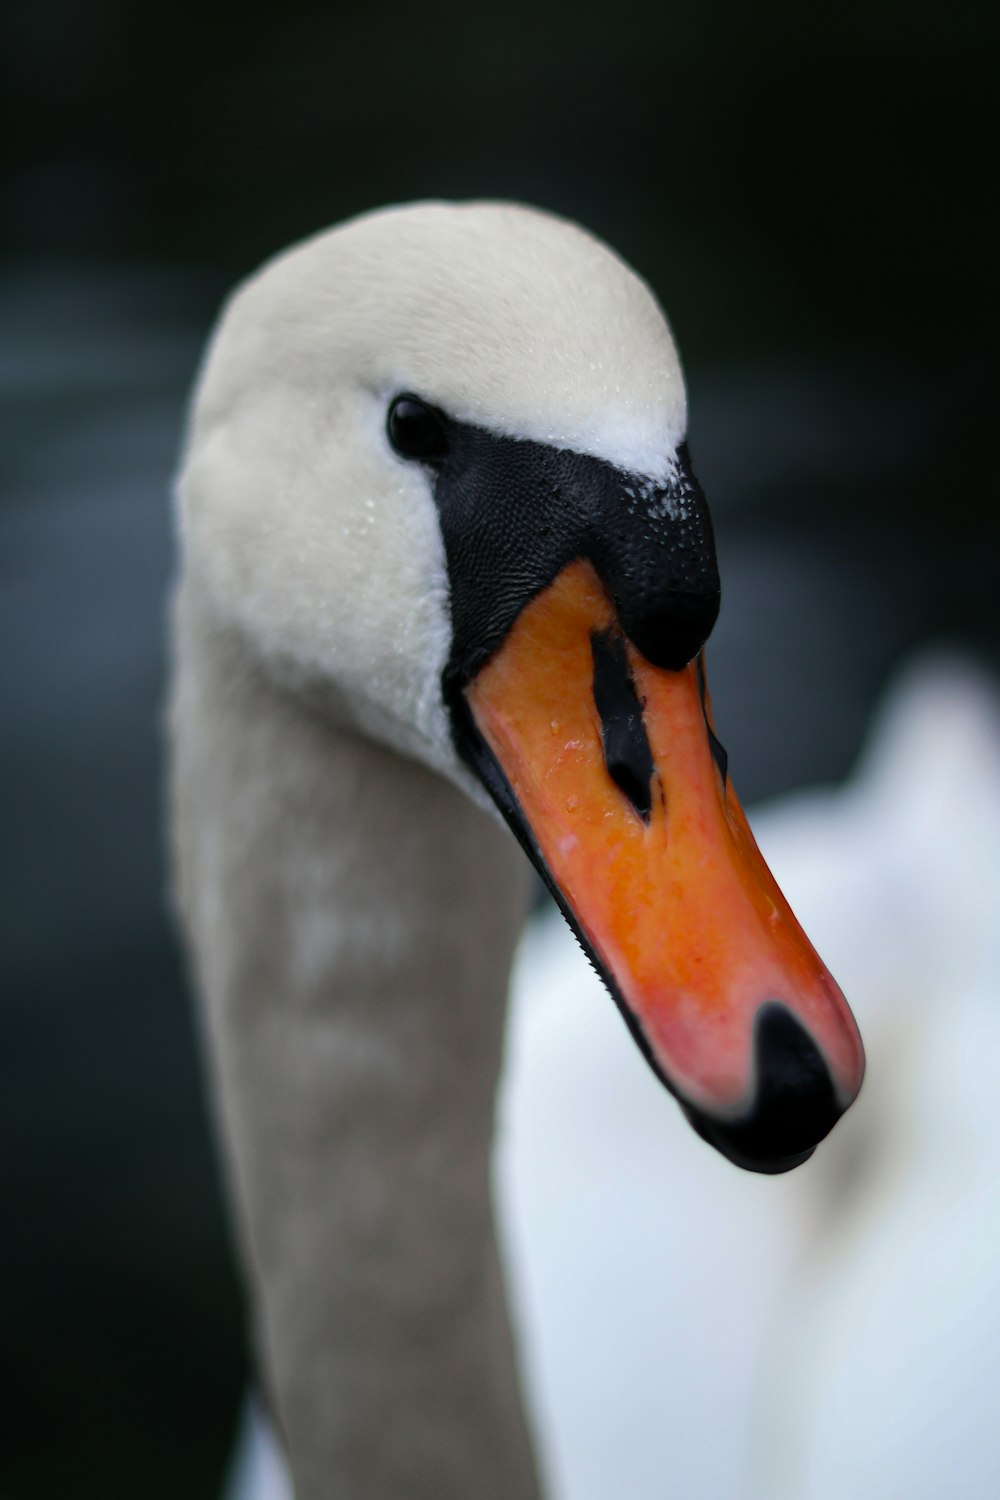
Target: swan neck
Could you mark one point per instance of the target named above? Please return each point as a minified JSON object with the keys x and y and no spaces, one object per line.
{"x":352,"y":919}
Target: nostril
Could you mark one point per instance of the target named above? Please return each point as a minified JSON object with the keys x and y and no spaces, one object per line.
{"x":795,"y":1104}
{"x":627,"y":754}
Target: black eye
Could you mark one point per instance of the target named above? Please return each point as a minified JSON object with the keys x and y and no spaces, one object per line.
{"x":417,"y":430}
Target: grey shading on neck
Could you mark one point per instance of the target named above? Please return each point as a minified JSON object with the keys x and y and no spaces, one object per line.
{"x":352,"y":919}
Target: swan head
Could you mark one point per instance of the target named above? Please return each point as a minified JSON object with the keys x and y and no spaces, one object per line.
{"x":436,"y":470}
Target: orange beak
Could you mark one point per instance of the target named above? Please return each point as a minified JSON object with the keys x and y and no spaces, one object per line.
{"x":609,"y":770}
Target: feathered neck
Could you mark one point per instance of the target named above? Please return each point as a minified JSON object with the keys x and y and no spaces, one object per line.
{"x":352,"y":919}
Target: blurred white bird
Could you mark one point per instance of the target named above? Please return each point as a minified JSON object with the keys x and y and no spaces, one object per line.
{"x":880,"y":1366}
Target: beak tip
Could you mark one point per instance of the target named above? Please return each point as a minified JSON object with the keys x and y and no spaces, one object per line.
{"x":795,"y":1104}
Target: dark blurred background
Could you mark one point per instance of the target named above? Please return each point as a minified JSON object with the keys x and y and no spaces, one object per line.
{"x":807,"y":191}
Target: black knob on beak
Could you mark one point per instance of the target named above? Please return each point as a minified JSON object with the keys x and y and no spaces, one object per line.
{"x":657,"y":558}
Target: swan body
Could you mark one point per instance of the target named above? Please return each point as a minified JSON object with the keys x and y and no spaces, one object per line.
{"x":440,"y":539}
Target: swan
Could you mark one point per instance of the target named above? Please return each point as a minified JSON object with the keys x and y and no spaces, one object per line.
{"x":444,"y":565}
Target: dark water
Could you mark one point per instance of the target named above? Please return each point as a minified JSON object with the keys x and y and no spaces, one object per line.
{"x":849,"y":530}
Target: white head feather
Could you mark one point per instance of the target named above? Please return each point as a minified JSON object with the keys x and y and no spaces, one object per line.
{"x":299,"y":521}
